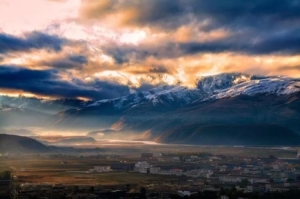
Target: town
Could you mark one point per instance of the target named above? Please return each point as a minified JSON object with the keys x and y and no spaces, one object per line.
{"x":149,"y":175}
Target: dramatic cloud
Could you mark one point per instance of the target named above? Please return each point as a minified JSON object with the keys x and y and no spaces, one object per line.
{"x":170,"y":13}
{"x":281,"y":43}
{"x":140,"y":13}
{"x":235,"y":14}
{"x":48,"y":83}
{"x":287,"y":68}
{"x":108,"y":48}
{"x":69,"y":62}
{"x":33,"y":40}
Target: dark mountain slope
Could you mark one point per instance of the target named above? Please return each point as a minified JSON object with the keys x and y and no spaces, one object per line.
{"x":226,"y":134}
{"x":20,"y":144}
{"x":230,"y":120}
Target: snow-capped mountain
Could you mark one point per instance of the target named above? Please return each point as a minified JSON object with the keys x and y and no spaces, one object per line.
{"x":178,"y":95}
{"x":234,"y":84}
{"x":216,"y":83}
{"x":227,"y":108}
{"x":208,"y":88}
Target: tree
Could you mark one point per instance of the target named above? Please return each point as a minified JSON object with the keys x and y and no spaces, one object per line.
{"x":143,"y":192}
{"x":76,"y":189}
{"x":128,"y":187}
{"x":244,"y":182}
{"x":92,"y":189}
{"x":5,"y":175}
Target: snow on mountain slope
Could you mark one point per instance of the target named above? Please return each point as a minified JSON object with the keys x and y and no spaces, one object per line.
{"x":216,"y":83}
{"x":211,"y":87}
{"x":160,"y":95}
{"x":253,"y":86}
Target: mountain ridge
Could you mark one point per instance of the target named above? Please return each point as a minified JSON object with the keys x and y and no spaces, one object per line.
{"x":229,"y":99}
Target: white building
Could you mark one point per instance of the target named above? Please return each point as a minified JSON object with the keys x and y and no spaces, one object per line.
{"x":278,"y":189}
{"x":143,"y":164}
{"x":102,"y":168}
{"x":164,"y":172}
{"x":143,"y":170}
{"x":176,"y":159}
{"x":199,"y":173}
{"x":184,"y":193}
{"x":142,"y":167}
{"x":224,"y":197}
{"x":233,"y":179}
{"x":154,"y":170}
{"x":177,"y":172}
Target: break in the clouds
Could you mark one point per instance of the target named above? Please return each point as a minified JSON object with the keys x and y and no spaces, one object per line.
{"x":105,"y":49}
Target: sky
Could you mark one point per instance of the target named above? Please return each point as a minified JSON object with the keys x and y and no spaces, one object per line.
{"x":99,"y":49}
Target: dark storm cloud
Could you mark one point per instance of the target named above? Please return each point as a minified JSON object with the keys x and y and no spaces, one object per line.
{"x":125,"y":53}
{"x":249,"y":14}
{"x":144,"y":12}
{"x":81,"y":59}
{"x":119,"y":55}
{"x":47,"y":82}
{"x":159,"y":12}
{"x":33,"y":40}
{"x":69,"y":62}
{"x":164,"y":13}
{"x":255,"y":27}
{"x":285,"y":42}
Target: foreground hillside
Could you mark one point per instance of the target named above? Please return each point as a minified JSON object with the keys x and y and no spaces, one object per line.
{"x":20,"y":144}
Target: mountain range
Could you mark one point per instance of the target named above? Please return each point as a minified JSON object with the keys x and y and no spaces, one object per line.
{"x":224,"y":109}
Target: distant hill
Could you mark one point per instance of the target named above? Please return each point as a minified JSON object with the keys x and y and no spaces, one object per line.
{"x":64,"y":140}
{"x":20,"y":144}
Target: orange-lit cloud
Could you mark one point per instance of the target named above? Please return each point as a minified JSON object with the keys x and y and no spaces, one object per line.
{"x":90,"y":45}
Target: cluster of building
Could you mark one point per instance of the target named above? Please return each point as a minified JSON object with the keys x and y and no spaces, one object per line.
{"x":145,"y":167}
{"x":245,"y":173}
{"x":192,"y":174}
